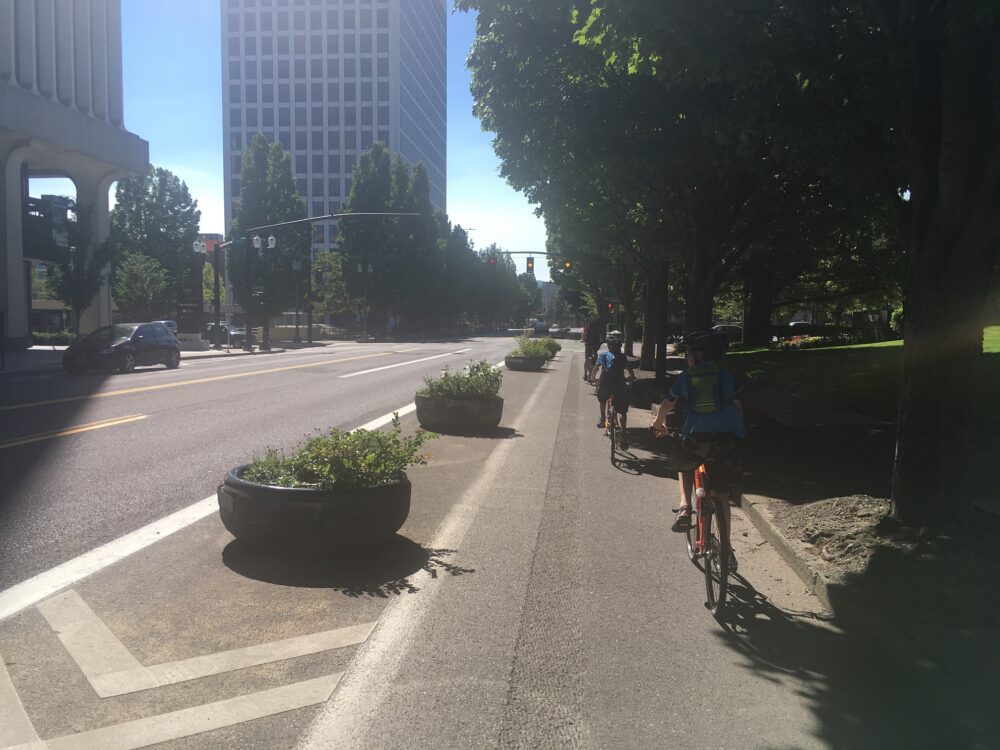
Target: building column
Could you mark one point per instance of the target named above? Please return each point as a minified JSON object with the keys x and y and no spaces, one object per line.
{"x":92,"y":191}
{"x":14,"y":301}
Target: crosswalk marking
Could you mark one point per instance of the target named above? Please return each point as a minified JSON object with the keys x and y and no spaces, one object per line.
{"x":15,"y":726}
{"x":112,"y":670}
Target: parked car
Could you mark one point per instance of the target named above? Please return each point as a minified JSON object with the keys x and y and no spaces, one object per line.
{"x":123,"y":347}
{"x":228,"y":334}
{"x":170,"y":324}
{"x":734,"y":333}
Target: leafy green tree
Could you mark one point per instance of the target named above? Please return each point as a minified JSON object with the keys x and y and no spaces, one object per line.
{"x":139,"y":287}
{"x":39,"y":286}
{"x":81,"y":273}
{"x":329,"y":289}
{"x":264,"y":278}
{"x":208,"y":285}
{"x":156,"y":216}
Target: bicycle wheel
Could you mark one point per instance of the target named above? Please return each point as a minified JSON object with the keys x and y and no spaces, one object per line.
{"x":716,"y":560}
{"x":691,"y":541}
{"x":613,"y":432}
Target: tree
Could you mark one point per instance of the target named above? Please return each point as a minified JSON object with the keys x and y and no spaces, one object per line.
{"x":329,"y":290}
{"x":264,"y":279}
{"x":139,"y":287}
{"x":81,"y":273}
{"x":208,"y":285}
{"x":155,"y":216}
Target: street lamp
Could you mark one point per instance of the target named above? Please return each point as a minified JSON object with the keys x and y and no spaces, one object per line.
{"x":362,"y":270}
{"x":297,"y":268}
{"x":201,"y":247}
{"x":258,"y":243}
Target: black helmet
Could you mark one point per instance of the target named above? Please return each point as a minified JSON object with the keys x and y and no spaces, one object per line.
{"x":712,"y":343}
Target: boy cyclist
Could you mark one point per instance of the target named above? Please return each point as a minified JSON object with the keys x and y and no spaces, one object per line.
{"x":713,"y":417}
{"x":612,"y":366}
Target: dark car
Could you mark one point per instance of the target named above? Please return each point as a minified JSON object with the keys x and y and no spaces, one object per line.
{"x":123,"y":347}
{"x":229,"y":335}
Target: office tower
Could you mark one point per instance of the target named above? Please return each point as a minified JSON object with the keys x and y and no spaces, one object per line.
{"x":328,"y":78}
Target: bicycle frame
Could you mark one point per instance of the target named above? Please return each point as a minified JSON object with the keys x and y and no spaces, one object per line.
{"x":700,"y":492}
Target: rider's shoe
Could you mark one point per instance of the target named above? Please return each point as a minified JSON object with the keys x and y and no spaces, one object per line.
{"x":733,"y":565}
{"x":682,"y":521}
{"x":602,"y":423}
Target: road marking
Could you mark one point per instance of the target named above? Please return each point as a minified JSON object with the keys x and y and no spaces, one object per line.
{"x":15,"y":726}
{"x":43,"y":585}
{"x":112,"y":670}
{"x":403,"y":364}
{"x":375,"y":667}
{"x":197,"y":381}
{"x":191,"y":721}
{"x":33,"y":590}
{"x":71,"y":431}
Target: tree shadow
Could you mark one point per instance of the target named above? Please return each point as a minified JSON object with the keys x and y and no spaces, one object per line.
{"x":862,"y":695}
{"x":492,"y":433}
{"x":379,"y":571}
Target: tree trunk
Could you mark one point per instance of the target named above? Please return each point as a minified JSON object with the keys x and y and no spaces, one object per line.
{"x":757,"y":326}
{"x":661,"y":278}
{"x":647,"y":356}
{"x":699,"y":291}
{"x":934,"y":475}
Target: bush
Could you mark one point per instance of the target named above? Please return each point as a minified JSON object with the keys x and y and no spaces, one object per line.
{"x":805,"y":342}
{"x":52,"y":338}
{"x":896,"y":321}
{"x":553,"y":346}
{"x":348,"y":460}
{"x":480,"y":382}
{"x":533,"y":348}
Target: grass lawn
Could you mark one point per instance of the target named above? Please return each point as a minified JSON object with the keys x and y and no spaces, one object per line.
{"x":863,"y":378}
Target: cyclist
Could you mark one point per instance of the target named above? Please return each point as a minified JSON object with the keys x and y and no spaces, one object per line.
{"x":612,"y":366}
{"x":591,"y":344}
{"x":713,"y":418}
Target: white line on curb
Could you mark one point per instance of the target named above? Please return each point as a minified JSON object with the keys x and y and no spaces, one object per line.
{"x":29,"y":592}
{"x":403,"y":364}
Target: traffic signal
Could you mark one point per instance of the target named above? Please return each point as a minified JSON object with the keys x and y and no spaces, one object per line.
{"x":611,"y":306}
{"x":531,"y":265}
{"x":567,"y":265}
{"x":491,"y":261}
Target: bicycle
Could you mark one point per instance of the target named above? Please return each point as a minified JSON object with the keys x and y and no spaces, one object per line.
{"x":709,"y":550}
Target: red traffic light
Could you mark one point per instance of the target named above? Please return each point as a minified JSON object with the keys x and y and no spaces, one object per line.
{"x":611,"y":305}
{"x":491,"y":261}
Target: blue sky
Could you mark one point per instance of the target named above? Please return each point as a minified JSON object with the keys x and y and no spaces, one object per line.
{"x":173,"y":99}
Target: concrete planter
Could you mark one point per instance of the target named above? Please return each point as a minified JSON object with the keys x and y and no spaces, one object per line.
{"x":455,"y":415}
{"x":309,"y":520}
{"x":515,"y":362}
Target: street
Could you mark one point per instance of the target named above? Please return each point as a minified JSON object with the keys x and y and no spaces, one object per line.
{"x":534,"y":598}
{"x":65,"y":495}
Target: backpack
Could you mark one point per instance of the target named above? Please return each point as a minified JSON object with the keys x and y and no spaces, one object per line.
{"x":706,"y":388}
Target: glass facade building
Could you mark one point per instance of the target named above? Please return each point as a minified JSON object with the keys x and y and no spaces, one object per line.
{"x":328,"y":78}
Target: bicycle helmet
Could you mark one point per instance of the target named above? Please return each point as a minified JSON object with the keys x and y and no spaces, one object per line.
{"x":615,"y":338}
{"x":712,"y":343}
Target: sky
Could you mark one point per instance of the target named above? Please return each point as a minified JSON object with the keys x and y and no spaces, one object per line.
{"x":171,"y":52}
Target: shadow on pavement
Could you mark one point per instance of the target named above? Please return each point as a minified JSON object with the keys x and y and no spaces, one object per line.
{"x":381,"y":570}
{"x":495,"y":433}
{"x":861,"y":695}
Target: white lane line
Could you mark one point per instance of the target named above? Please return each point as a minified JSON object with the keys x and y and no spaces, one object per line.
{"x":191,"y":721}
{"x":15,"y":726}
{"x":404,"y":364}
{"x":45,"y":584}
{"x":34,"y":590}
{"x":94,"y":648}
{"x":375,"y":666}
{"x":112,"y":670}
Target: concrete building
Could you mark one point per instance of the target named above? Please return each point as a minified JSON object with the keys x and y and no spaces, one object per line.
{"x":61,"y":115}
{"x":328,"y":78}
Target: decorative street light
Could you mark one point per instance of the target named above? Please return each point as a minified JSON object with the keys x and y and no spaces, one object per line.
{"x":201,"y":248}
{"x":258,"y":243}
{"x":362,"y":270}
{"x":297,"y":268}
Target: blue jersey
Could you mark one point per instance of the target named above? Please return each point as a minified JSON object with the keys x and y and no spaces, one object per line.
{"x":708,"y":392}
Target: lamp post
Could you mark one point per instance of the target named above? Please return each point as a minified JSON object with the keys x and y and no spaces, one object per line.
{"x":201,"y":248}
{"x":258,"y":244}
{"x":365,"y":273}
{"x":297,"y":268}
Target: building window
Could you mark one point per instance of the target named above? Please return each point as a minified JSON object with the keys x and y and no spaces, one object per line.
{"x":366,"y":44}
{"x":334,"y":185}
{"x":333,"y":117}
{"x":366,"y":92}
{"x":300,"y":117}
{"x":251,"y":94}
{"x":366,"y":116}
{"x":318,"y":165}
{"x":383,"y":91}
{"x":350,"y":92}
{"x":300,"y":69}
{"x":282,"y":21}
{"x":235,"y":93}
{"x":250,"y":45}
{"x":252,"y":118}
{"x":234,"y":70}
{"x":267,"y":94}
{"x":350,"y":67}
{"x":382,"y":66}
{"x":318,"y":209}
{"x":300,"y":141}
{"x":301,"y":165}
{"x":285,"y":138}
{"x":234,"y":21}
{"x":300,"y":93}
{"x":249,"y":22}
{"x":266,"y":46}
{"x":236,"y":141}
{"x":266,"y":70}
{"x":234,"y":46}
{"x":235,"y":163}
{"x":348,"y":19}
{"x":300,"y":45}
{"x":234,"y":187}
{"x":300,"y":185}
{"x":282,"y":45}
{"x":265,"y":21}
{"x":366,"y":18}
{"x":317,"y":117}
{"x":284,"y":117}
{"x":332,"y":45}
{"x":382,"y":18}
{"x":383,"y":135}
{"x":350,"y":117}
{"x":366,"y":67}
{"x":349,"y":45}
{"x":383,"y":115}
{"x":332,"y":67}
{"x":268,"y":118}
{"x":319,"y":185}
{"x":350,"y":141}
{"x":316,"y":19}
{"x":283,"y":69}
{"x":366,"y":139}
{"x":316,"y":44}
{"x":317,"y":140}
{"x":300,"y":20}
{"x":383,"y":42}
{"x":316,"y":67}
{"x":317,"y":93}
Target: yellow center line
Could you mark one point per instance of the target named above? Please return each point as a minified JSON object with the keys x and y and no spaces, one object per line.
{"x":72,"y":430}
{"x":213,"y":379}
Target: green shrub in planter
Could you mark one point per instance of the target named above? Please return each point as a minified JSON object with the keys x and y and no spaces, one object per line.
{"x":342,"y":460}
{"x":52,"y":338}
{"x":532,"y":348}
{"x":552,"y":346}
{"x":479,"y":382}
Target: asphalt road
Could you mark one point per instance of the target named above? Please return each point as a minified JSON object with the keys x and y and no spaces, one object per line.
{"x":62,"y":496}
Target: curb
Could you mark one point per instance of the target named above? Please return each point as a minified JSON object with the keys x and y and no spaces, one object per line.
{"x":891,"y":636}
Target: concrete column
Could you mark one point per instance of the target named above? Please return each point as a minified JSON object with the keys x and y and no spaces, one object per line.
{"x":92,"y":195}
{"x":14,"y":300}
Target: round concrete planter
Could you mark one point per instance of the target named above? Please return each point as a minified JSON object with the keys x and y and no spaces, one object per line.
{"x":311,"y":520}
{"x":455,"y":415}
{"x":514,"y":362}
